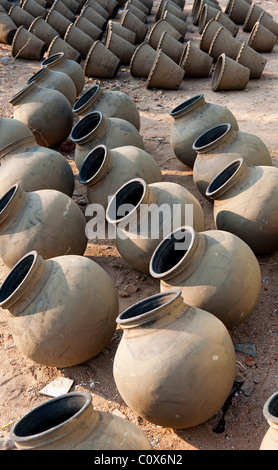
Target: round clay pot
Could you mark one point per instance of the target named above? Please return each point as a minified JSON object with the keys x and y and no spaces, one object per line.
{"x":78,"y":39}
{"x":94,"y":129}
{"x":34,"y":167}
{"x":59,"y":6}
{"x":96,"y":18}
{"x":12,"y":129}
{"x":42,"y":30}
{"x":251,"y":59}
{"x":165,"y":73}
{"x":171,"y":47}
{"x":225,"y":21}
{"x":62,"y":423}
{"x":20,"y":17}
{"x":58,"y":62}
{"x":111,"y":6}
{"x":159,"y":27}
{"x":26,"y":45}
{"x":136,"y":235}
{"x":252,"y":16}
{"x":62,"y":310}
{"x":261,"y":39}
{"x":97,"y":7}
{"x":229,"y":74}
{"x":215,"y":270}
{"x":191,"y":119}
{"x":180,"y":358}
{"x":46,"y":112}
{"x":224,"y":43}
{"x":59,"y":22}
{"x":208,"y":34}
{"x":111,"y":103}
{"x":55,"y":80}
{"x":142,"y":60}
{"x":221,"y":145}
{"x":195,"y":62}
{"x":125,"y":33}
{"x":100,"y":62}
{"x":120,"y":47}
{"x":105,"y":170}
{"x":46,"y":221}
{"x":137,"y":12}
{"x":237,"y":10}
{"x":34,"y":8}
{"x":245,"y":203}
{"x":268,"y":22}
{"x":270,"y":412}
{"x":58,"y":45}
{"x":130,"y":21}
{"x":92,"y":30}
{"x":177,"y":23}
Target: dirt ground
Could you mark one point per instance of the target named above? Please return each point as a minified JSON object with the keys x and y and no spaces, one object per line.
{"x":244,"y":425}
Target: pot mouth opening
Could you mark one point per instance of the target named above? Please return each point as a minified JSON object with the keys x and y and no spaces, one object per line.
{"x":271,"y":408}
{"x":7,"y":197}
{"x":171,"y":252}
{"x":223,"y":177}
{"x":36,"y":74}
{"x":92,"y":164}
{"x":211,"y":135}
{"x":50,"y":415}
{"x":126,"y":200}
{"x":86,"y":125}
{"x":186,"y":104}
{"x":53,"y":58}
{"x":85,"y":97}
{"x":17,"y":276}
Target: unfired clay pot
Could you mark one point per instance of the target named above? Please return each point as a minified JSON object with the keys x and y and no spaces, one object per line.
{"x":100,"y":62}
{"x":111,"y":104}
{"x":175,"y":364}
{"x":46,"y":112}
{"x":26,"y":45}
{"x":7,"y":28}
{"x":215,"y":270}
{"x":70,"y":422}
{"x":34,"y":167}
{"x":237,"y":10}
{"x":191,"y":119}
{"x":42,"y":30}
{"x":57,"y":21}
{"x":12,"y":129}
{"x":245,"y":203}
{"x":60,"y":63}
{"x":20,"y":17}
{"x":130,"y":21}
{"x":62,"y":310}
{"x":120,"y":30}
{"x":221,"y":145}
{"x":58,"y":45}
{"x":47,"y":221}
{"x":94,"y":129}
{"x":143,"y":214}
{"x":270,"y":411}
{"x":252,"y":59}
{"x":105,"y":170}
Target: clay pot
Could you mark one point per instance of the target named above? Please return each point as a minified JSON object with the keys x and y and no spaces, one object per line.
{"x":5,"y":4}
{"x":76,"y":38}
{"x":224,"y":43}
{"x":58,"y":62}
{"x":26,"y":45}
{"x":251,"y":59}
{"x":215,"y":271}
{"x":111,"y":104}
{"x":207,"y":13}
{"x":20,"y":17}
{"x":34,"y":8}
{"x":72,"y":5}
{"x":136,"y":235}
{"x":96,"y":7}
{"x":165,"y":73}
{"x":159,"y":27}
{"x":34,"y":167}
{"x":229,"y":74}
{"x":94,"y":129}
{"x":100,"y":62}
{"x":159,"y":9}
{"x":62,"y":310}
{"x":221,"y":145}
{"x":208,"y":34}
{"x":111,"y":6}
{"x":12,"y":129}
{"x":225,"y":21}
{"x":105,"y":170}
{"x":142,"y":60}
{"x":55,"y":80}
{"x":89,"y":28}
{"x":47,"y":112}
{"x":195,"y":62}
{"x":76,"y":415}
{"x":58,"y":45}
{"x":120,"y":47}
{"x":174,"y":9}
{"x":237,"y":10}
{"x":181,"y":360}
{"x":96,"y":18}
{"x":7,"y":28}
{"x":270,"y":411}
{"x":59,"y":6}
{"x":137,"y":12}
{"x":177,"y":23}
{"x":197,"y":8}
{"x":59,"y":22}
{"x":252,"y":16}
{"x":261,"y":39}
{"x":148,"y":4}
{"x":171,"y":47}
{"x":46,"y":221}
{"x":245,"y":203}
{"x":42,"y":30}
{"x":125,"y":33}
{"x":191,"y":119}
{"x":130,"y":21}
{"x":140,"y":5}
{"x":268,"y":22}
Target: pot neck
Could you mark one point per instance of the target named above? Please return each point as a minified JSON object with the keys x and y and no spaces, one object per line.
{"x":214,"y":138}
{"x":227,"y":179}
{"x":24,"y":93}
{"x":270,"y":411}
{"x":54,"y":60}
{"x":11,"y":204}
{"x":89,"y":127}
{"x":195,"y":104}
{"x":89,"y":98}
{"x":96,"y":165}
{"x":17,"y":144}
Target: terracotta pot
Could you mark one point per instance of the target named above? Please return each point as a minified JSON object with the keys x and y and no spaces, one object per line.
{"x":245,"y":203}
{"x":20,"y":17}
{"x":7,"y":28}
{"x":76,"y":415}
{"x":125,"y":33}
{"x":136,"y":235}
{"x":224,"y":43}
{"x":174,"y":9}
{"x":229,"y":74}
{"x":171,"y":47}
{"x":237,"y":10}
{"x":26,"y":45}
{"x":270,"y":412}
{"x":94,"y":129}
{"x":34,"y":8}
{"x":46,"y":221}
{"x":42,"y":30}
{"x":59,"y":22}
{"x":97,"y":7}
{"x":268,"y":22}
{"x":58,"y":45}
{"x":195,"y":62}
{"x":177,"y":23}
{"x":261,"y":39}
{"x":34,"y":167}
{"x":130,"y":21}
{"x":225,"y":21}
{"x":111,"y":6}
{"x":111,"y":104}
{"x":142,"y":60}
{"x":120,"y":47}
{"x":252,"y":16}
{"x":159,"y":27}
{"x":191,"y":119}
{"x":251,"y":59}
{"x":12,"y":129}
{"x":208,"y":34}
{"x":181,"y":360}
{"x":100,"y":62}
{"x":221,"y":145}
{"x":78,"y":39}
{"x":221,"y":263}
{"x":59,"y":81}
{"x":137,"y":12}
{"x":96,"y":18}
{"x":59,"y":6}
{"x":165,"y":73}
{"x":47,"y":112}
{"x":89,"y":28}
{"x":58,"y":62}
{"x":105,"y":170}
{"x":62,"y":310}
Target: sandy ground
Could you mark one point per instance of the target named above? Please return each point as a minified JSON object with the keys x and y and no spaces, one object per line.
{"x":21,"y":380}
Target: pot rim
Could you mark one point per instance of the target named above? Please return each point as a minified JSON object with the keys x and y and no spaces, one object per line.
{"x":224,"y":177}
{"x":268,"y":409}
{"x":85,"y":164}
{"x":113,"y":200}
{"x":81,"y":122}
{"x":199,"y":146}
{"x":87,"y":96}
{"x":53,"y":58}
{"x":186,"y":105}
{"x":12,"y":190}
